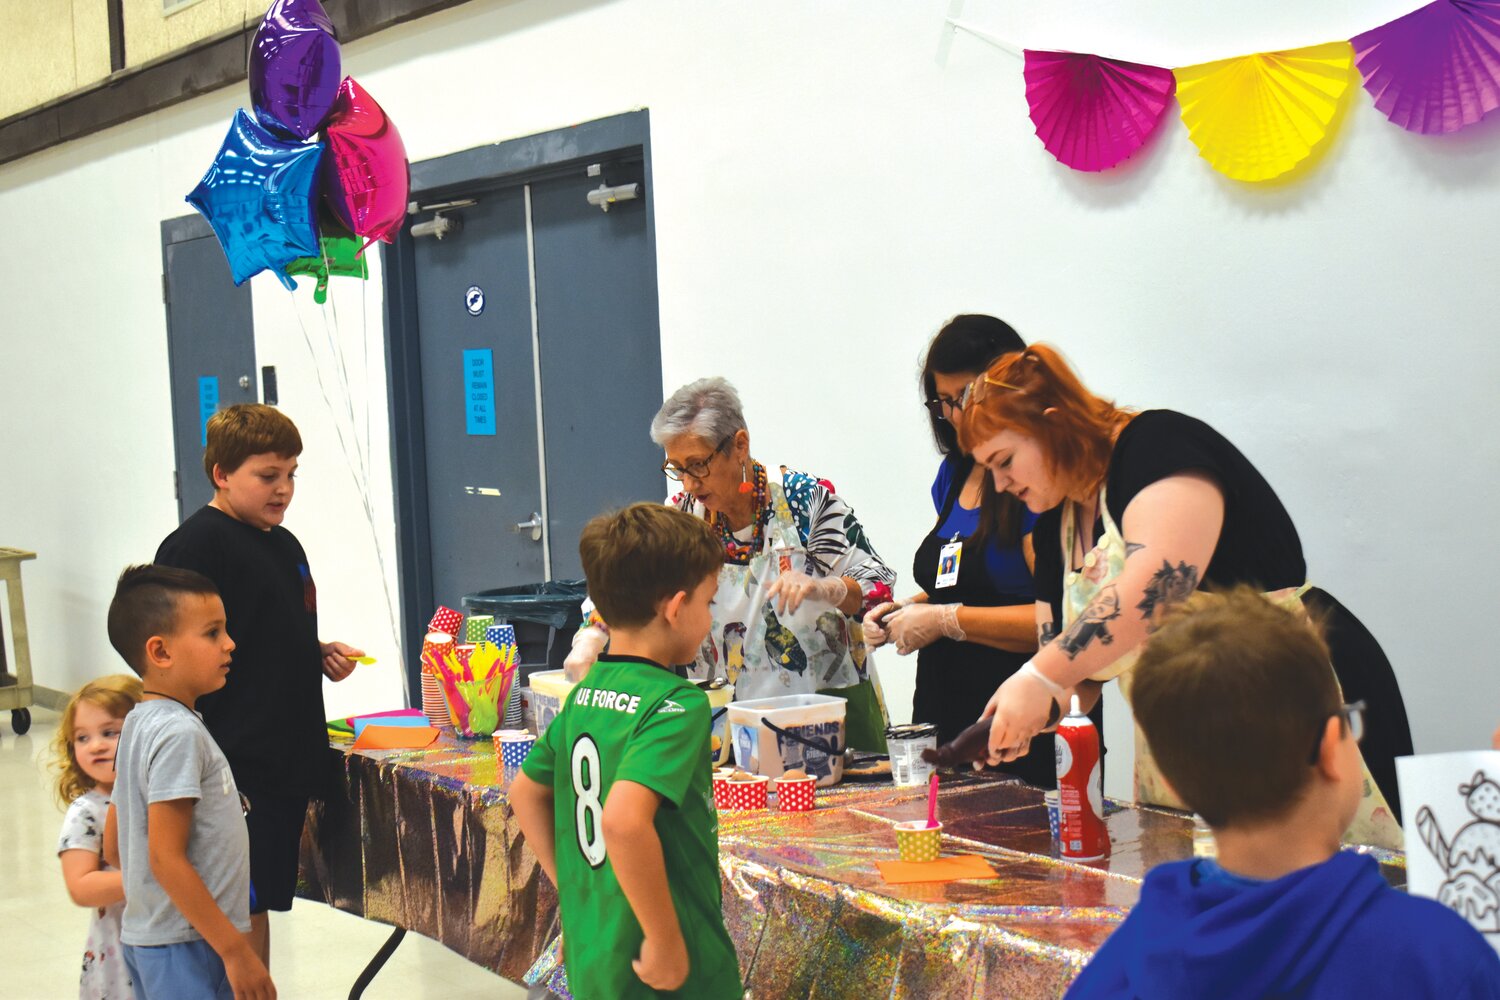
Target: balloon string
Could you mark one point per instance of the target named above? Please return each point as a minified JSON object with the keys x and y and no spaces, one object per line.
{"x":361,"y":481}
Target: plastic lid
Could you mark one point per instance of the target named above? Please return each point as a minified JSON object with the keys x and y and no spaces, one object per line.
{"x":1075,"y":709}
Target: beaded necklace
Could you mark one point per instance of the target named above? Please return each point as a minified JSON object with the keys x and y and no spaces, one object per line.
{"x":736,"y":551}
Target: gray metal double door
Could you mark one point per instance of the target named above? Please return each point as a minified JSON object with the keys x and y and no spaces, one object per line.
{"x":540,"y":364}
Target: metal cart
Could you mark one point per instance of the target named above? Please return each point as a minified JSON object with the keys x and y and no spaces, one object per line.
{"x":15,"y":690}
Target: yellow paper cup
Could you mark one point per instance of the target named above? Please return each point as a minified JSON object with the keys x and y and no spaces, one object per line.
{"x":916,"y":842}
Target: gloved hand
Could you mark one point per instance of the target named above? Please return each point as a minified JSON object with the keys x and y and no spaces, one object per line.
{"x":588,"y":643}
{"x":876,"y":632}
{"x":918,"y":625}
{"x":793,"y":587}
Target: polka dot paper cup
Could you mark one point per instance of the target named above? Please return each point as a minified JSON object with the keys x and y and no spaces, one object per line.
{"x":748,"y":794}
{"x":721,"y":787}
{"x":795,"y":795}
{"x":916,"y":842}
{"x":513,"y":745}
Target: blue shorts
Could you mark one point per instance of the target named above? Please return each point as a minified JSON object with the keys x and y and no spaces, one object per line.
{"x":169,"y":971}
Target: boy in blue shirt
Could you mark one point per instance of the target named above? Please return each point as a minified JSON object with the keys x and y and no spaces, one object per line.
{"x":1239,"y":705}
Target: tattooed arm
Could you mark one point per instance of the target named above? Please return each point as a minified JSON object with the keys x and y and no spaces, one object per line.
{"x":1172,"y":527}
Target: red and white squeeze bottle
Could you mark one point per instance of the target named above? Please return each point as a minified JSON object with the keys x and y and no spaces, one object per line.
{"x":1080,"y":790}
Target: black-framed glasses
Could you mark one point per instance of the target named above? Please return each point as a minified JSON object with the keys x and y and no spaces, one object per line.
{"x":1354,"y":718}
{"x":976,"y":390}
{"x":942,"y":406}
{"x":698,"y":470}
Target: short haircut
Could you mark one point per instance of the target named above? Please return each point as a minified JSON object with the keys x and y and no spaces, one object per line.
{"x":1232,"y":693}
{"x":633,"y":558}
{"x":237,"y":432}
{"x":146,"y":603}
{"x":708,"y":408}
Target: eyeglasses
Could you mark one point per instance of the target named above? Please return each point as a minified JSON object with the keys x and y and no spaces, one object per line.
{"x":1354,"y":718}
{"x":697,"y":470}
{"x":942,"y":406}
{"x":974,"y":392}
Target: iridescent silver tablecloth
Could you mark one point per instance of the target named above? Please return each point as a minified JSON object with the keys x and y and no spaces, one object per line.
{"x":426,"y":840}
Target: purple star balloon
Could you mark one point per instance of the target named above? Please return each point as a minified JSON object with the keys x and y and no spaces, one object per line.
{"x":294,"y":68}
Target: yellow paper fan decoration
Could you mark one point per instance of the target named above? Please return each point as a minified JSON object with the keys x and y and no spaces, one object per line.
{"x":1256,"y":117}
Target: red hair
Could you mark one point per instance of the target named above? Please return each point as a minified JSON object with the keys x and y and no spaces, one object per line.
{"x":1017,"y":392}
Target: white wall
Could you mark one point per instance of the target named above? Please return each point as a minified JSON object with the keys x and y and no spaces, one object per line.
{"x":826,"y":193}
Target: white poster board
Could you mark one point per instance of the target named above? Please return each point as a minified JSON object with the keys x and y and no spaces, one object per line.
{"x":1451,"y":802}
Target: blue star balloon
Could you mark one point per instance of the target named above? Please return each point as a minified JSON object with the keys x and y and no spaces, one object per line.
{"x":260,"y":196}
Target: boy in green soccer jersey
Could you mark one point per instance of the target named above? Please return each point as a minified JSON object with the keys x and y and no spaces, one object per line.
{"x":616,"y":799}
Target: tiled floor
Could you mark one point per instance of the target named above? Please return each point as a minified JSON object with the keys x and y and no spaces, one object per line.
{"x":316,"y":951}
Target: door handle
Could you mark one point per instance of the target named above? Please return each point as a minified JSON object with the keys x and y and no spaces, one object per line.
{"x":534,"y":526}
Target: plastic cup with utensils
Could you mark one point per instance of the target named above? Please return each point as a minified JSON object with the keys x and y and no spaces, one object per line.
{"x":1054,"y":817}
{"x":916,"y":841}
{"x":796,"y":794}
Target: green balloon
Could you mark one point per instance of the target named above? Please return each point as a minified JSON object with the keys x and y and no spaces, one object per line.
{"x":341,"y":258}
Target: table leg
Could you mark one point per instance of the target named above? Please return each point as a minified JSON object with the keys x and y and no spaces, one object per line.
{"x":377,"y":963}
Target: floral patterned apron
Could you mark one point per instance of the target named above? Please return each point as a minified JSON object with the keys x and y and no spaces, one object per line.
{"x":764,"y":653}
{"x":1088,"y":597}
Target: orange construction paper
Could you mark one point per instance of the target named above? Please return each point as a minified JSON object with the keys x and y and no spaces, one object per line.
{"x":942,"y":870}
{"x":395,"y":737}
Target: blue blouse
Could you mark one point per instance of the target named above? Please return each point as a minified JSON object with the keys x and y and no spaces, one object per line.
{"x":1006,"y":566}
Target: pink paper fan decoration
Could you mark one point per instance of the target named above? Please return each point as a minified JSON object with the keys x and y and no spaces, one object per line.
{"x":1436,"y":69}
{"x":1092,"y":112}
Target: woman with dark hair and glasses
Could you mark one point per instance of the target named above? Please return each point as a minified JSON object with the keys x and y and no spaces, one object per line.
{"x":972,"y":623}
{"x":798,"y":570}
{"x":1139,"y":511}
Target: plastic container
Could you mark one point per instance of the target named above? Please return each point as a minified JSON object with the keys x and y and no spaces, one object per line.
{"x":719,"y":699}
{"x":544,"y":615}
{"x":549,"y":692}
{"x":905,"y":745}
{"x":817,"y":719}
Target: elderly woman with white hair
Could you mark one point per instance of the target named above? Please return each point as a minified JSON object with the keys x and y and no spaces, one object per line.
{"x":798,"y":572}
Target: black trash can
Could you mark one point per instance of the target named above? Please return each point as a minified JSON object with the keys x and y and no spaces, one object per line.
{"x":544,"y":615}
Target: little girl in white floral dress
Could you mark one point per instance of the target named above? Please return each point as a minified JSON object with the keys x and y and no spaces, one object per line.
{"x":85,"y":748}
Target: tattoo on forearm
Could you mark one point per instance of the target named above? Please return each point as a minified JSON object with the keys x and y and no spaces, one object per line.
{"x":1092,"y":624}
{"x":1045,"y":633}
{"x":1169,"y":587}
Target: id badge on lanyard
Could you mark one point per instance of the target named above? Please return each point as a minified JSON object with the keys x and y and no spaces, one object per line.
{"x":949,"y":558}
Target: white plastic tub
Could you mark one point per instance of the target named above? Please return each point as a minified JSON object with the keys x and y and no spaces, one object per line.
{"x":549,"y":690}
{"x":818,"y":718}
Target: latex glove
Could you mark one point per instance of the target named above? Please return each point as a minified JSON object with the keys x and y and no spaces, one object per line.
{"x":875,"y":632}
{"x":1021,"y":708}
{"x":338,"y":660}
{"x":920,"y":624}
{"x":793,"y":587}
{"x":588,"y":643}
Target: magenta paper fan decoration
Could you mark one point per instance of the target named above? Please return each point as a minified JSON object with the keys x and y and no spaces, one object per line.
{"x":1436,"y":69}
{"x":1092,"y":112}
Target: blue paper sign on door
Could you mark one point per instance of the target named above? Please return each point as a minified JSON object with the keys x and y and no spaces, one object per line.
{"x":208,"y":404}
{"x":479,"y":391}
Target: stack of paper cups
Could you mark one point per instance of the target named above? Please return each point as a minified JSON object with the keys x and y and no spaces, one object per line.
{"x":433,"y":704}
{"x":500,"y":635}
{"x":514,"y":715}
{"x":475,"y":627}
{"x":439,"y":644}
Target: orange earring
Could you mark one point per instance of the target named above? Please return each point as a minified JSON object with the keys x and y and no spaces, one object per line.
{"x":745,"y":486}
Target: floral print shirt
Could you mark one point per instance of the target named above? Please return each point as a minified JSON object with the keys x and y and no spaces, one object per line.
{"x":104,"y":975}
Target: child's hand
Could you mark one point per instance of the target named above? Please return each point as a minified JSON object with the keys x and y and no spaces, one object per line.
{"x":247,"y":974}
{"x":338,"y":660}
{"x":662,"y":966}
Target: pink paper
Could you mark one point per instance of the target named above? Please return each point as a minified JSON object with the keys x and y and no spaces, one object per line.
{"x":1091,"y":113}
{"x":1436,"y":69}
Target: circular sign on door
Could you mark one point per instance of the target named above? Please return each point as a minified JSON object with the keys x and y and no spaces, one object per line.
{"x":474,"y":300}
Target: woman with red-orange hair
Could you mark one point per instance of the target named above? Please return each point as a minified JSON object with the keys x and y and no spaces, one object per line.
{"x":1142,"y":509}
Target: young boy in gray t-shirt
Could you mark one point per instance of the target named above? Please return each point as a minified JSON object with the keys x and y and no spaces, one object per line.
{"x":176,"y":824}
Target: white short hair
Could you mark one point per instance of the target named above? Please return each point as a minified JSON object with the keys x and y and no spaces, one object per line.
{"x":708,"y":408}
